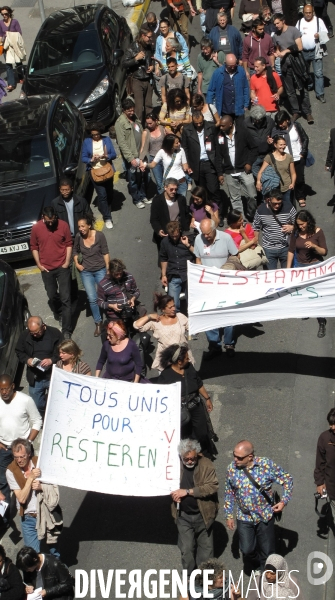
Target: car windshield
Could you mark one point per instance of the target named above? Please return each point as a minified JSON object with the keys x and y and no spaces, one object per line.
{"x":63,"y":53}
{"x":25,"y":159}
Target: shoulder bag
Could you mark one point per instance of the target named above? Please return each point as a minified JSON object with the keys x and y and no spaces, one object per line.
{"x":103,"y":173}
{"x":272,"y":501}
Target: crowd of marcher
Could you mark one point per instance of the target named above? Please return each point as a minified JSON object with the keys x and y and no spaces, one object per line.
{"x":233,"y":118}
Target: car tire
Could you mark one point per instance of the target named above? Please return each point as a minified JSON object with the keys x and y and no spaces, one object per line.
{"x":25,"y":316}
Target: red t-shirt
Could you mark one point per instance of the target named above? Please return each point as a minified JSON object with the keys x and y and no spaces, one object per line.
{"x":51,"y":245}
{"x":237,"y":237}
{"x":263,"y":92}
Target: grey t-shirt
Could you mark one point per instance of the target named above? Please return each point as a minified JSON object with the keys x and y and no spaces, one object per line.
{"x":171,"y":83}
{"x":287,"y":38}
{"x":216,"y":254}
{"x":69,"y":210}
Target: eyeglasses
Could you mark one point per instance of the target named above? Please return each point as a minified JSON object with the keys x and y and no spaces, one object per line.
{"x":147,"y":36}
{"x":37,"y":330}
{"x":20,"y":457}
{"x":240,"y":457}
{"x":5,"y":14}
{"x":173,"y":189}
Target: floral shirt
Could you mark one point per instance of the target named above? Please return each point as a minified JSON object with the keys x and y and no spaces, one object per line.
{"x":251,"y":505}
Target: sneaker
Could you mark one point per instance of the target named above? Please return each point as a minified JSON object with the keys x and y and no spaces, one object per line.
{"x":322,"y":99}
{"x":330,"y":32}
{"x":310,"y":119}
{"x":322,"y":329}
{"x":147,"y":201}
{"x":230,"y":350}
{"x":109,"y":224}
{"x":139,"y":204}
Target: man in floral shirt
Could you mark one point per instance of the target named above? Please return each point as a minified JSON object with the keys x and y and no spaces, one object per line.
{"x":255,"y":515}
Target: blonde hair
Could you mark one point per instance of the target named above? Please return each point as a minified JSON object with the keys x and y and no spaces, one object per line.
{"x":70,"y":347}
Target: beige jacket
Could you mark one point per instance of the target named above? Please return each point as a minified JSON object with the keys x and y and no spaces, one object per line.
{"x":14,"y":48}
{"x":48,"y":525}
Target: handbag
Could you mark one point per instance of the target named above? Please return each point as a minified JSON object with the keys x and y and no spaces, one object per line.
{"x":272,"y":501}
{"x":252,"y":258}
{"x":103,"y":173}
{"x":310,"y":160}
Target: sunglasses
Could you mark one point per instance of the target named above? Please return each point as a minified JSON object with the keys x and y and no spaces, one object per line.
{"x":5,"y":14}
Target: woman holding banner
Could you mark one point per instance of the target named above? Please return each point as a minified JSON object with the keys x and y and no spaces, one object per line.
{"x":307,"y":247}
{"x":70,"y":360}
{"x":121,"y":355}
{"x":175,"y":361}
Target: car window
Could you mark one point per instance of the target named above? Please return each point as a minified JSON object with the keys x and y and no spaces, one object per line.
{"x":109,"y":31}
{"x":63,"y":53}
{"x":2,"y":287}
{"x":64,"y":138}
{"x":24,"y":158}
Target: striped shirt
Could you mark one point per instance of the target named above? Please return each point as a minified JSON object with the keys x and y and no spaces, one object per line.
{"x":271,"y":227}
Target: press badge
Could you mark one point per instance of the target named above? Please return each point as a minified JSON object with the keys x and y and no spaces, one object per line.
{"x":221,"y":139}
{"x":136,"y":127}
{"x":208,"y":146}
{"x":223,"y":41}
{"x":207,"y":250}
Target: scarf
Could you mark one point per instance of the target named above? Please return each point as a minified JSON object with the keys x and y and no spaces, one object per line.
{"x":283,"y":585}
{"x":217,"y":593}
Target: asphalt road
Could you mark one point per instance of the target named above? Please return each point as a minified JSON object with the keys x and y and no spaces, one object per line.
{"x":276,"y":392}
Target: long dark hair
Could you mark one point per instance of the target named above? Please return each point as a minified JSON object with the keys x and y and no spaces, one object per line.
{"x":168,"y":142}
{"x":306,"y":217}
{"x":269,"y":75}
{"x":170,"y":355}
{"x":201,"y":192}
{"x":161,"y":300}
{"x":171,"y":97}
{"x":233,"y":216}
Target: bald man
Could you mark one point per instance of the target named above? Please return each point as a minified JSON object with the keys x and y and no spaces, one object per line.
{"x":255,"y":508}
{"x":19,"y":417}
{"x":229,"y":89}
{"x":37,"y":347}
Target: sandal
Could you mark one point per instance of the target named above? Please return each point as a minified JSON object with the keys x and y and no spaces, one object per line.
{"x":10,"y":88}
{"x":302,"y":203}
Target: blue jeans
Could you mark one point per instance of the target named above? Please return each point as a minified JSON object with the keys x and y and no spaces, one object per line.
{"x":158,"y":171}
{"x":38,"y":392}
{"x":175,"y":287}
{"x":318,"y":71}
{"x":202,"y":21}
{"x":11,"y":75}
{"x":214,"y":337}
{"x":257,"y":542}
{"x":182,"y":188}
{"x":104,"y":192}
{"x":135,"y":184}
{"x":275,"y":254}
{"x":90,"y":279}
{"x":287,"y":196}
{"x":29,"y":532}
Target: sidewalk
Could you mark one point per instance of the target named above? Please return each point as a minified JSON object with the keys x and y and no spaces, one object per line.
{"x":28,"y":15}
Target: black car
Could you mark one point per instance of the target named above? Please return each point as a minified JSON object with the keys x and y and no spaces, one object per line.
{"x":14,"y":314}
{"x":77,"y":53}
{"x":40,"y":140}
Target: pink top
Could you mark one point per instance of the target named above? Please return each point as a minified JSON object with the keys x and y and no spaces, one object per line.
{"x":237,"y":237}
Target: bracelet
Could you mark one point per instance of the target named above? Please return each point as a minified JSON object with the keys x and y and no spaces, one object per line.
{"x":208,"y":398}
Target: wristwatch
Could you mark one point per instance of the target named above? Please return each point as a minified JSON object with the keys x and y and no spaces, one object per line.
{"x":188,"y":492}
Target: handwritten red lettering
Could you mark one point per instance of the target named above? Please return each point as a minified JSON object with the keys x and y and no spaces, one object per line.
{"x":311,"y":273}
{"x":222,"y":276}
{"x":241,"y":277}
{"x":266,"y":278}
{"x":256,"y":275}
{"x":323,"y":270}
{"x":201,"y":280}
{"x":167,"y":472}
{"x":280,"y":274}
{"x":167,"y":437}
{"x":330,"y":267}
{"x":297,"y":273}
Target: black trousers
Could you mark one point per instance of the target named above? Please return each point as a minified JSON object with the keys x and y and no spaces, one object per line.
{"x":290,"y":89}
{"x":57,"y":285}
{"x":208,"y":179}
{"x":322,"y":13}
{"x":299,"y":188}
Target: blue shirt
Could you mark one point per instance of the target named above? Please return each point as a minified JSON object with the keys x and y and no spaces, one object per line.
{"x":228,"y":103}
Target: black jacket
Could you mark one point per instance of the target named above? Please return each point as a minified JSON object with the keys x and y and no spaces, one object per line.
{"x":246,"y":150}
{"x":330,"y":162}
{"x":325,"y":462}
{"x":303,"y":137}
{"x":25,"y":349}
{"x":190,"y":143}
{"x":57,"y":579}
{"x":160,"y":216}
{"x":261,"y":134}
{"x":11,"y":584}
{"x":138,"y":69}
{"x":80,"y":209}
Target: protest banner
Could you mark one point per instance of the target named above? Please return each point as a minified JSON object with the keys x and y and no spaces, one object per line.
{"x":111,"y":436}
{"x":218,"y":298}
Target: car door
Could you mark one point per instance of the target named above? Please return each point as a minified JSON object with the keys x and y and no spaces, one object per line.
{"x":110,"y":37}
{"x":66,"y":134}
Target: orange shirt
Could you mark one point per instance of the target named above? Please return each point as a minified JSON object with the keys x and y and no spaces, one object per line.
{"x":263,"y":92}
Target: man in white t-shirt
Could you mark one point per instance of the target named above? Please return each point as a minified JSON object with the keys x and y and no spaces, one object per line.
{"x":312,"y":28}
{"x":19,"y":417}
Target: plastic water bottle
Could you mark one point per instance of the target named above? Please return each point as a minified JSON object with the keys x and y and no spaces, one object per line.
{"x":134,"y":169}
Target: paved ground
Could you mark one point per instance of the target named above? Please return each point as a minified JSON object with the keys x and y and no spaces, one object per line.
{"x":276,"y":391}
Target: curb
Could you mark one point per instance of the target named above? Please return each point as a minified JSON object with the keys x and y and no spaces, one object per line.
{"x":137,"y":16}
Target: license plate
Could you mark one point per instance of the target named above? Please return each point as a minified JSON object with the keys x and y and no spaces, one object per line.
{"x":14,"y":248}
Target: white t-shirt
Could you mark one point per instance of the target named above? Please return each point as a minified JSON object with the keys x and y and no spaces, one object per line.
{"x":176,"y":171}
{"x":17,"y":418}
{"x":31,"y":504}
{"x":308,"y":29}
{"x":295,"y":144}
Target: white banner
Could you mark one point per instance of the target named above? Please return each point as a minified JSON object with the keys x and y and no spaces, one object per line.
{"x":111,"y":436}
{"x":217,"y":298}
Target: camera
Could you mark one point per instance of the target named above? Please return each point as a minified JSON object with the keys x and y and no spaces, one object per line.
{"x":126,"y":312}
{"x":322,"y":496}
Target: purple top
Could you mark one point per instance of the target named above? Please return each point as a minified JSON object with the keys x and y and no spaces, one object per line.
{"x":200,"y":213}
{"x":122,"y":365}
{"x":14,"y":25}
